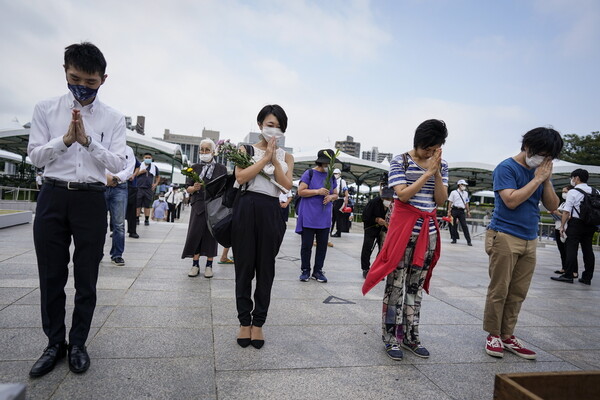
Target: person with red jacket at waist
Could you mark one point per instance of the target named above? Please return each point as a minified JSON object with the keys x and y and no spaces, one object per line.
{"x":412,"y":246}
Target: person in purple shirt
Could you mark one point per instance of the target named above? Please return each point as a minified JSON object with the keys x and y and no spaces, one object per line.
{"x":314,"y":215}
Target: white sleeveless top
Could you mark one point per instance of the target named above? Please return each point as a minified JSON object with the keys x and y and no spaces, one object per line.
{"x":262,"y":185}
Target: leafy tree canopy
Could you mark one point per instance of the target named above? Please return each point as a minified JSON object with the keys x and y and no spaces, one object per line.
{"x":583,"y":150}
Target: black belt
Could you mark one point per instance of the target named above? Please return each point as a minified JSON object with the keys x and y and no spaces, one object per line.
{"x":81,"y":186}
{"x":458,"y":208}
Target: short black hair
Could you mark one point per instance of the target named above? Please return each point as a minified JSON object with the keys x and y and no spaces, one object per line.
{"x":277,"y":111}
{"x":429,"y":133}
{"x":147,"y":154}
{"x":85,"y":57}
{"x":582,"y":174}
{"x":541,"y":140}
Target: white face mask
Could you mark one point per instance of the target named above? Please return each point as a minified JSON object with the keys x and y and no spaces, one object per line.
{"x":161,"y":198}
{"x":564,"y":196}
{"x":386,"y":203}
{"x":206,"y":157}
{"x":534,"y":161}
{"x":337,"y":176}
{"x":268,"y":132}
{"x":573,"y":183}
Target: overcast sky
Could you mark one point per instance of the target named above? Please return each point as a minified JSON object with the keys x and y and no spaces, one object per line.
{"x":369,"y":69}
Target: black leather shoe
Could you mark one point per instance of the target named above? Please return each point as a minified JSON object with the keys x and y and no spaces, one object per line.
{"x":48,"y":360}
{"x":559,"y":271}
{"x":585,"y":282}
{"x":134,"y":235}
{"x":562,"y":278}
{"x":79,"y":360}
{"x":453,"y":242}
{"x":257,"y":344}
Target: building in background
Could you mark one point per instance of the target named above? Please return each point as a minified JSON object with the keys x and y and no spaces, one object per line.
{"x":349,"y":146}
{"x":190,"y":145}
{"x":375,"y":155}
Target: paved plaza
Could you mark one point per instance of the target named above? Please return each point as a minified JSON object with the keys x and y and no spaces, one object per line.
{"x":158,"y":334}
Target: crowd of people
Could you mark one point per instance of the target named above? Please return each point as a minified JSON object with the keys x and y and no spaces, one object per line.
{"x":91,"y":165}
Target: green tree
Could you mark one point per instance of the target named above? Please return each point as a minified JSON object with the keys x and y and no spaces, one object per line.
{"x":583,"y":150}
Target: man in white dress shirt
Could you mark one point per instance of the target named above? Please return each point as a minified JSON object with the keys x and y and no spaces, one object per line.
{"x":458,"y":205}
{"x":116,"y":202}
{"x":76,"y":138}
{"x":578,"y":231}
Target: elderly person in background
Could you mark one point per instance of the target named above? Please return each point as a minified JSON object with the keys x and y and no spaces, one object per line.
{"x":199,"y":241}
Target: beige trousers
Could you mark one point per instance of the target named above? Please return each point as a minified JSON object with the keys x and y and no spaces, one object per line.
{"x":512,"y":261}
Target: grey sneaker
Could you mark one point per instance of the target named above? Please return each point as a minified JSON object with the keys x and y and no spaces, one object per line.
{"x":393,"y":352}
{"x":208,"y":273}
{"x":416,"y":349}
{"x":194,"y":272}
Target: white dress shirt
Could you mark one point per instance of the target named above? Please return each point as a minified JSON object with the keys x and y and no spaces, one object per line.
{"x":105,"y":126}
{"x":129,"y":166}
{"x":574,"y":199}
{"x":456,"y":199}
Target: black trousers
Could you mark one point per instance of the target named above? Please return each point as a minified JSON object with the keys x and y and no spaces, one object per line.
{"x":178,"y":211}
{"x":578,"y":233}
{"x":367,"y":249}
{"x":561,"y":249}
{"x":458,"y":214}
{"x":62,"y":214}
{"x":308,"y":236}
{"x":172,"y":212}
{"x":257,"y":233}
{"x":131,"y":208}
{"x":336,"y":215}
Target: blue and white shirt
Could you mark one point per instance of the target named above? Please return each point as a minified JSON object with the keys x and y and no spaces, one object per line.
{"x":423,"y":199}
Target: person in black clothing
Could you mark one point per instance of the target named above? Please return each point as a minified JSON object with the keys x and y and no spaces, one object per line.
{"x":130,"y":213}
{"x":374,"y":223}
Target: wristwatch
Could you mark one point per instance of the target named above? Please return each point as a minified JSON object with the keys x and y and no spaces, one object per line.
{"x":89,"y":141}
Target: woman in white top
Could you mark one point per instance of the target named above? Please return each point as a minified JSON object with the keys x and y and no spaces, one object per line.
{"x":257,"y":226}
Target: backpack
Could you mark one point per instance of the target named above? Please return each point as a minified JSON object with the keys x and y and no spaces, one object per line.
{"x":219,"y":197}
{"x":589,"y":208}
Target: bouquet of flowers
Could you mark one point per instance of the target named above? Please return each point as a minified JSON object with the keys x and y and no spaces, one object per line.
{"x":190,"y":173}
{"x":242,"y":159}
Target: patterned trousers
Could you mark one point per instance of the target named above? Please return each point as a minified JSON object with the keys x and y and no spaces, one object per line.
{"x":403,"y":295}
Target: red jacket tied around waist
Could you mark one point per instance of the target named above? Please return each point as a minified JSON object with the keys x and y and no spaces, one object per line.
{"x":404,"y":218}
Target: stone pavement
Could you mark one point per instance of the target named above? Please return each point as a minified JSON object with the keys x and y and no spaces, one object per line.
{"x":158,"y":334}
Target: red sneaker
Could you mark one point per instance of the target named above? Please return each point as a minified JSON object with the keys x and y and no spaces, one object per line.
{"x":514,"y":345}
{"x":493,"y":346}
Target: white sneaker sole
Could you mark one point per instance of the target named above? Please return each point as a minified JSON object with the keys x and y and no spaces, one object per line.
{"x":494,"y":353}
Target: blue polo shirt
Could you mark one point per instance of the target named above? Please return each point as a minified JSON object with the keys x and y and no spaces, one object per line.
{"x":521,"y":222}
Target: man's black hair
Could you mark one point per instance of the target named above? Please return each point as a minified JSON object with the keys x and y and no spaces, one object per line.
{"x":429,"y":133}
{"x":147,"y":154}
{"x":542,"y":141}
{"x":582,"y":174}
{"x":85,"y":57}
{"x":277,"y":111}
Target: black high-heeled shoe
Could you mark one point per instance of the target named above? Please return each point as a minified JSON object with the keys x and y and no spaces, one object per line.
{"x":257,"y":343}
{"x":243,"y":342}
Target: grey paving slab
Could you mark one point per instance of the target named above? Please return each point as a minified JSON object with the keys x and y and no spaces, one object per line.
{"x":37,"y":389}
{"x":163,"y":378}
{"x":587,"y":360}
{"x":159,"y":317}
{"x":151,"y":342}
{"x":9,"y":295}
{"x":475,"y":381}
{"x":301,"y":347}
{"x":380,"y":382}
{"x":153,"y":298}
